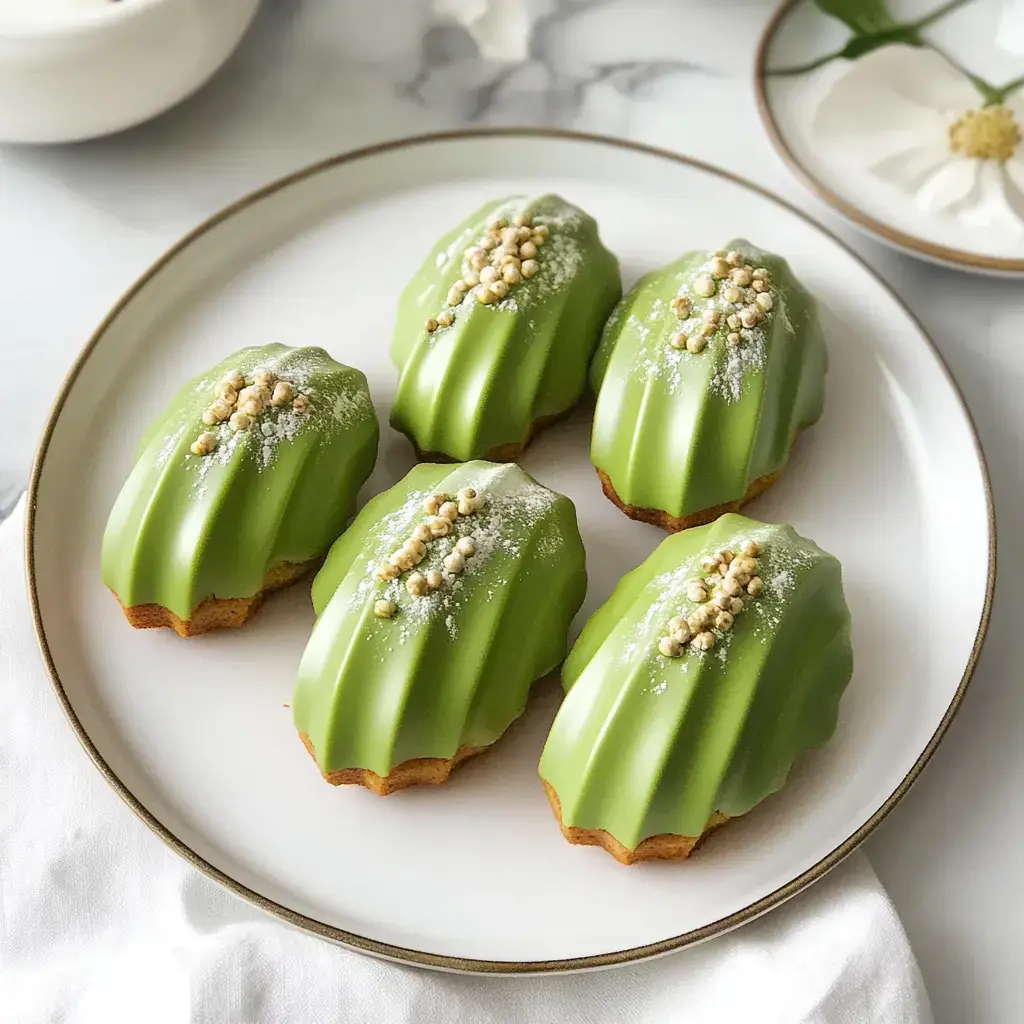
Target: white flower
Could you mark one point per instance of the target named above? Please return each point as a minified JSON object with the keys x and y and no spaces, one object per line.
{"x":907,"y":116}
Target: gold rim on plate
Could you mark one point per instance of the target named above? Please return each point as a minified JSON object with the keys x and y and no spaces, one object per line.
{"x":415,"y":956}
{"x":957,"y":258}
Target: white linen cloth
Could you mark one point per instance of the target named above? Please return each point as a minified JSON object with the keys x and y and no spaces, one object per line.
{"x":100,"y":923}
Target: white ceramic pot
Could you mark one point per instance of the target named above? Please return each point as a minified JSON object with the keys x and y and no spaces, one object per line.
{"x":86,"y":70}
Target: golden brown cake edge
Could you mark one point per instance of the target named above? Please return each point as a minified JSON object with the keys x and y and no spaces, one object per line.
{"x":418,"y":771}
{"x":666,"y":846}
{"x":215,"y":613}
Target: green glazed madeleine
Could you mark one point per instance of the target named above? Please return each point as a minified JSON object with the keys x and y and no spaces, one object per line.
{"x":496,"y":331}
{"x":440,"y":653}
{"x":691,"y":691}
{"x":706,"y":372}
{"x":278,"y":490}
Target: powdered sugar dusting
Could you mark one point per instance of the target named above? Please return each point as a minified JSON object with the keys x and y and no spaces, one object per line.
{"x":731,"y":365}
{"x":338,"y":398}
{"x":560,"y":258}
{"x":515,"y":518}
{"x":783,"y":559}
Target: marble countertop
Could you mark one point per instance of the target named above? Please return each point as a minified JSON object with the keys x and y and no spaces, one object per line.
{"x":315,"y":77}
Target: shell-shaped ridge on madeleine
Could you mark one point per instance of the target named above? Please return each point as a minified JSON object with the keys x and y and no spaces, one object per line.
{"x":450,"y":667}
{"x":189,"y":526}
{"x":703,"y":381}
{"x":480,"y":372}
{"x":646,"y":744}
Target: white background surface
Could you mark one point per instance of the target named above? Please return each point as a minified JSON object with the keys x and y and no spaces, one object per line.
{"x":317,"y":77}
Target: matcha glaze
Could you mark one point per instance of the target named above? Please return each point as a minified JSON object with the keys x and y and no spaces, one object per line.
{"x":186,"y":527}
{"x":645,"y":744}
{"x":501,"y":366}
{"x":683,"y":431}
{"x":454,"y":667}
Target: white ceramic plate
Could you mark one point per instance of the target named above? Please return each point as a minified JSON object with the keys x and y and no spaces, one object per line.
{"x":981,"y":37}
{"x":197,"y":736}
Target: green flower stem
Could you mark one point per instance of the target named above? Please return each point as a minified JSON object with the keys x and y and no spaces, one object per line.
{"x":803,"y":69}
{"x":1002,"y":93}
{"x":939,"y":12}
{"x":909,"y":31}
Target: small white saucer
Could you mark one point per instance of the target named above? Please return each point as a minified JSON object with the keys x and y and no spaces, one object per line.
{"x":878,"y":132}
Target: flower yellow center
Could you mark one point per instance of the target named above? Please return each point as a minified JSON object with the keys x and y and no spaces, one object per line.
{"x":987,"y":134}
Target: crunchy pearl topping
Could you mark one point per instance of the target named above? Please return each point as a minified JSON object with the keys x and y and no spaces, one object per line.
{"x":703,"y":641}
{"x":240,"y":421}
{"x":384,"y":609}
{"x":417,"y":550}
{"x":301,"y":404}
{"x":729,"y":575}
{"x":698,"y":619}
{"x":677,"y":625}
{"x":670,"y":647}
{"x":252,"y":407}
{"x":219,"y":411}
{"x":696,"y":343}
{"x":739,"y":303}
{"x":227,"y":391}
{"x":283,"y":393}
{"x":439,"y":526}
{"x":500,"y":260}
{"x":416,"y":584}
{"x":442,"y":512}
{"x":402,"y":559}
{"x":234,"y":379}
{"x":204,"y":444}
